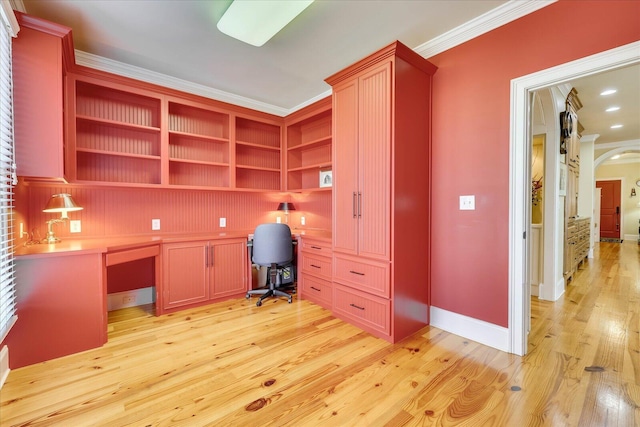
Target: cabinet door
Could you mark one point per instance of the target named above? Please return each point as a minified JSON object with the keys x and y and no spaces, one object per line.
{"x":37,"y":74}
{"x":229,"y":268}
{"x":185,"y":274}
{"x":345,"y":167}
{"x":374,"y":162}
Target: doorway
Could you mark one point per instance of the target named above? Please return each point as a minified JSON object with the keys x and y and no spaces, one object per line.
{"x":521,"y":95}
{"x":610,"y":203}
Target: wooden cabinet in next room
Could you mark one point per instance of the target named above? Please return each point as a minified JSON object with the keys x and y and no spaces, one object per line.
{"x":381,"y":192}
{"x":202,"y":271}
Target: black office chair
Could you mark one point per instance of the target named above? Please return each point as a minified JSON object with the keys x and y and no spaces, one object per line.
{"x":273,"y":248}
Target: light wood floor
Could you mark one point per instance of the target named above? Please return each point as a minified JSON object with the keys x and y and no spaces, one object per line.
{"x":234,"y":364}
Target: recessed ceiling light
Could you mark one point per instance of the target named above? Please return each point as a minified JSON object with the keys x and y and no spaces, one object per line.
{"x":616,"y":126}
{"x":617,"y":156}
{"x":608,"y":92}
{"x":255,"y":22}
{"x":610,"y":109}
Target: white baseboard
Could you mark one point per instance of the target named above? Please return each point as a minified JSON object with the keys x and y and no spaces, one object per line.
{"x":477,"y":330}
{"x":633,"y":238}
{"x":130,"y":298}
{"x":4,"y":365}
{"x":535,"y":289}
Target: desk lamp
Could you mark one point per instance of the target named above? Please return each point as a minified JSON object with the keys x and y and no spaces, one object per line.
{"x":286,"y":207}
{"x":62,"y":203}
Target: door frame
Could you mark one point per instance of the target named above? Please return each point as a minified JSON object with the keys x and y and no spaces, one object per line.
{"x":522,"y":89}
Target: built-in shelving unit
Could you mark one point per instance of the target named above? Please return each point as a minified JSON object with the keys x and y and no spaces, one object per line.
{"x":117,"y":135}
{"x":127,"y":135}
{"x":309,"y":148}
{"x":257,"y":155}
{"x":198,"y":147}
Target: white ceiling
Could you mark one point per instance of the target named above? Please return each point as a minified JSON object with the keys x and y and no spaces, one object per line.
{"x":176,"y":43}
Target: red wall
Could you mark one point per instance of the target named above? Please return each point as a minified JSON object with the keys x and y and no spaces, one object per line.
{"x":471,"y":113}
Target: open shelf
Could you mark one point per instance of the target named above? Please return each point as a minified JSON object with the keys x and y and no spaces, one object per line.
{"x":116,"y":106}
{"x":198,"y":121}
{"x":309,"y":150}
{"x":190,"y":173}
{"x":108,"y":137}
{"x":115,"y":167}
{"x":257,"y":155}
{"x":259,"y":179}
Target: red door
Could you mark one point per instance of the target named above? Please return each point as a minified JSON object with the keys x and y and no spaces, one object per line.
{"x":609,"y":209}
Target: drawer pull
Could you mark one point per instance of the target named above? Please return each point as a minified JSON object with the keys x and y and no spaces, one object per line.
{"x":315,"y":266}
{"x":316,"y":247}
{"x":315,"y":289}
{"x":357,"y":306}
{"x":356,"y":272}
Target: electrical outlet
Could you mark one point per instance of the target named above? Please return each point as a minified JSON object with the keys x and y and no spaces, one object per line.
{"x":128,"y":299}
{"x":155,"y":224}
{"x":223,"y":222}
{"x":467,"y":203}
{"x":75,"y":226}
{"x":278,"y":220}
{"x":302,"y":220}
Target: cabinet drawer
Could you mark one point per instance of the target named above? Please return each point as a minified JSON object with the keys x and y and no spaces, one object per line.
{"x":316,"y":266}
{"x":316,"y":246}
{"x":369,"y":276}
{"x":370,"y":312}
{"x":316,"y":290}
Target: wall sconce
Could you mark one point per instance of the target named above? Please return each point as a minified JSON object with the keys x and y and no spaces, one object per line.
{"x":286,"y":207}
{"x":633,"y":192}
{"x":62,"y":203}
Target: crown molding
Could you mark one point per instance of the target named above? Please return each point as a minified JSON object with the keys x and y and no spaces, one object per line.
{"x":115,"y":67}
{"x":633,"y":143}
{"x":501,"y":15}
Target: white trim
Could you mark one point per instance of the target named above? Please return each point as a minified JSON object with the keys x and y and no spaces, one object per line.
{"x":4,"y":365}
{"x":9,"y":18}
{"x":631,"y":238}
{"x":501,"y":15}
{"x":477,"y":330}
{"x":521,"y":89}
{"x":633,"y":143}
{"x":120,"y":68}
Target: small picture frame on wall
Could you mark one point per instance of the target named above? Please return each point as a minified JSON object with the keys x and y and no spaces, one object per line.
{"x":326,"y":179}
{"x":562,"y":187}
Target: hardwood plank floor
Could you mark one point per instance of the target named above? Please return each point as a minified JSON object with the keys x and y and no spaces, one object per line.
{"x":234,"y":364}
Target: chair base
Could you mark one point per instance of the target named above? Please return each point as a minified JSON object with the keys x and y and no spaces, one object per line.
{"x":266,"y":293}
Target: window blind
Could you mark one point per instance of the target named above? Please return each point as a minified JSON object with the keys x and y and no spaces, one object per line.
{"x":7,"y":177}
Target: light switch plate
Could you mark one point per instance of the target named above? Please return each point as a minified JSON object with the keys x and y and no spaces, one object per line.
{"x":155,"y":224}
{"x":223,"y":222}
{"x":467,"y":203}
{"x":75,"y":226}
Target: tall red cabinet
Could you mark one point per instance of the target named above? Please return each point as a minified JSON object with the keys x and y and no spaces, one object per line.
{"x":381,"y":197}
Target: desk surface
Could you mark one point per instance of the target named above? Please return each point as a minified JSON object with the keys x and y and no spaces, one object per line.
{"x":113,"y":244}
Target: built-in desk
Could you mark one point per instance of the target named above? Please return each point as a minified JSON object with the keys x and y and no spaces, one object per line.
{"x":61,"y":289}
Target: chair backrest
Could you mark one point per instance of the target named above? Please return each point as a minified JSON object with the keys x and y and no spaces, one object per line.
{"x":272,"y":244}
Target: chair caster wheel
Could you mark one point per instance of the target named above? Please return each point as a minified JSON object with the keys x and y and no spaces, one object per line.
{"x":289,"y":300}
{"x":248,"y":296}
{"x":259,"y":303}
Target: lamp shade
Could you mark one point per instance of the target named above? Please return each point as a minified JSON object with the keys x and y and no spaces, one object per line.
{"x":61,"y":203}
{"x":284,"y":206}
